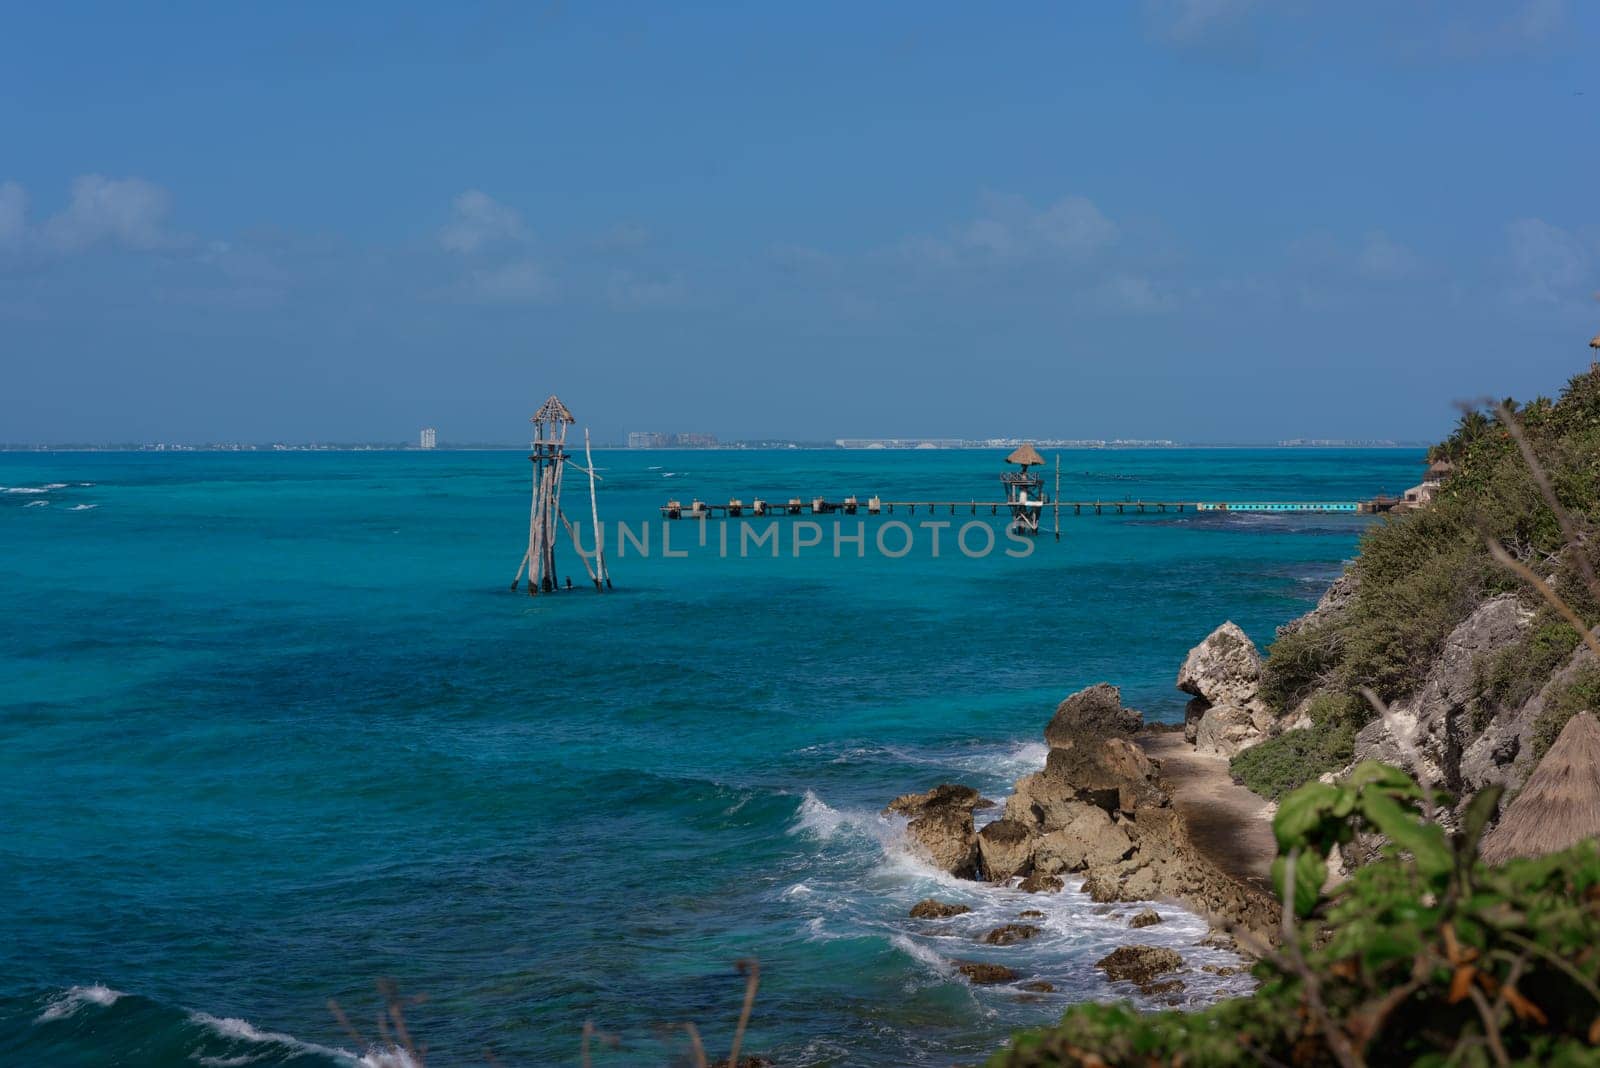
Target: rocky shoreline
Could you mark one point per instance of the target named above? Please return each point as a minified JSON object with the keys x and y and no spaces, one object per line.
{"x":1102,"y":814}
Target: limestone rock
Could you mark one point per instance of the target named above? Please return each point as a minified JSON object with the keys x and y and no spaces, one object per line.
{"x":1427,"y":732}
{"x":1503,"y":753}
{"x":1005,"y":848}
{"x":1091,"y":712}
{"x":1040,"y":883}
{"x":1039,"y":986}
{"x":1113,"y":773}
{"x":1010,"y":934}
{"x":1192,"y":714}
{"x":930,"y":909}
{"x":1139,"y":964}
{"x":941,"y":827}
{"x":1087,"y":838}
{"x":1145,"y":918}
{"x":1228,"y":729}
{"x":985,"y":974}
{"x":1031,"y":914}
{"x":1333,"y":603}
{"x":945,"y":795}
{"x":1223,"y":669}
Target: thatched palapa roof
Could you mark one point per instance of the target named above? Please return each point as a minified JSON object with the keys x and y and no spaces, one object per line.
{"x":553,"y":411}
{"x":1560,"y":805}
{"x":1026,"y":455}
{"x":1594,"y":342}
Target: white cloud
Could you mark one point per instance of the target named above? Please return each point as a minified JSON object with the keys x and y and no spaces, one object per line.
{"x":1010,"y":229}
{"x":1131,"y":293}
{"x":1549,"y":264}
{"x":13,"y":215}
{"x":622,"y":237}
{"x":518,"y":282}
{"x":1188,"y":21}
{"x":1383,"y":259}
{"x":125,"y":212}
{"x":627,"y":290}
{"x":479,"y":221}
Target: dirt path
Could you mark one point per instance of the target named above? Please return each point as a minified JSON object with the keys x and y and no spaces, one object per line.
{"x":1228,"y":824}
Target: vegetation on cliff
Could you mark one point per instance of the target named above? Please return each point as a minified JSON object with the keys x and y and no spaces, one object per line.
{"x":1421,"y":573}
{"x":1424,"y":957}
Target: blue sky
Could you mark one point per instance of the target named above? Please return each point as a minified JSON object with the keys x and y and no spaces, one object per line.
{"x":1211,"y":220}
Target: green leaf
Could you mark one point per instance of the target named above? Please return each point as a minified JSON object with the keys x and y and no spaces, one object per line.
{"x":1310,"y":872}
{"x":1302,"y":812}
{"x":1385,"y":777}
{"x":1424,"y":841}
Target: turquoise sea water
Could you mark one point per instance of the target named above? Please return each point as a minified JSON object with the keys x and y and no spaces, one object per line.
{"x":272,"y":727}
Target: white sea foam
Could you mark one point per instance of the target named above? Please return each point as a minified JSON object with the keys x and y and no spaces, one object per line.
{"x":38,"y":504}
{"x":867,"y":873}
{"x":75,"y":998}
{"x":27,"y":489}
{"x":81,"y":507}
{"x":922,"y":954}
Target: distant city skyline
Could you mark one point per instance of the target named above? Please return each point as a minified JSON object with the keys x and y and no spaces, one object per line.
{"x":1201,"y":222}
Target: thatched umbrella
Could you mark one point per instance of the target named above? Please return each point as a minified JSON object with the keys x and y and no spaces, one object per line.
{"x":1560,"y":805}
{"x":1026,"y":455}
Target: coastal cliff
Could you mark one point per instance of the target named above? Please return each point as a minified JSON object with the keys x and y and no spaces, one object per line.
{"x":1428,"y":653}
{"x":1427,"y":729}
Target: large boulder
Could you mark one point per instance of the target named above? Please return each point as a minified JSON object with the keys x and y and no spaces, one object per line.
{"x":1091,"y":712}
{"x":1010,"y":934}
{"x":1139,"y":964}
{"x":1193,"y":713}
{"x":1225,"y":730}
{"x":1113,"y":773}
{"x":940,"y":827}
{"x":985,"y":974}
{"x":933,"y":909}
{"x":1223,"y":669}
{"x":1005,"y":849}
{"x":1223,"y":674}
{"x":1088,"y":838}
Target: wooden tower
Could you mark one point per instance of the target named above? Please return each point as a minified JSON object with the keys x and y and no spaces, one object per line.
{"x":1024,"y":489}
{"x":550,"y":460}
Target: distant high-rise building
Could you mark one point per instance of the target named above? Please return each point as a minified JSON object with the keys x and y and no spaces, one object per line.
{"x":430,"y":437}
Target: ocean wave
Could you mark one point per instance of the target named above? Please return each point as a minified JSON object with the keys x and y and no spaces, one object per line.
{"x":30,"y":489}
{"x":82,"y":507}
{"x":923,"y":955}
{"x":234,"y":1029}
{"x":821,"y":820}
{"x":37,"y":504}
{"x":74,"y":998}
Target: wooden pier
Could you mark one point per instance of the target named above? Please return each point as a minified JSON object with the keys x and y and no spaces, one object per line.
{"x":796,"y":506}
{"x":1025,"y":502}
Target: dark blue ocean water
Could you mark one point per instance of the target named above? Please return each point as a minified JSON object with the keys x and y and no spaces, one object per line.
{"x":272,"y":727}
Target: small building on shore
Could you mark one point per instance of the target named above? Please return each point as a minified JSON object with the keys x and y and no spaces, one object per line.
{"x":1438,"y":472}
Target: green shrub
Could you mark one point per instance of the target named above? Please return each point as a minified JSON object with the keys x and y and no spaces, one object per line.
{"x":1508,"y":678}
{"x":1425,"y":957}
{"x":1294,"y":758}
{"x":1580,"y":694}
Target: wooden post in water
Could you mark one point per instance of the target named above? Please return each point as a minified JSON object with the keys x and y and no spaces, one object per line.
{"x":1058,"y":496}
{"x":549,"y":456}
{"x":594,"y":513}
